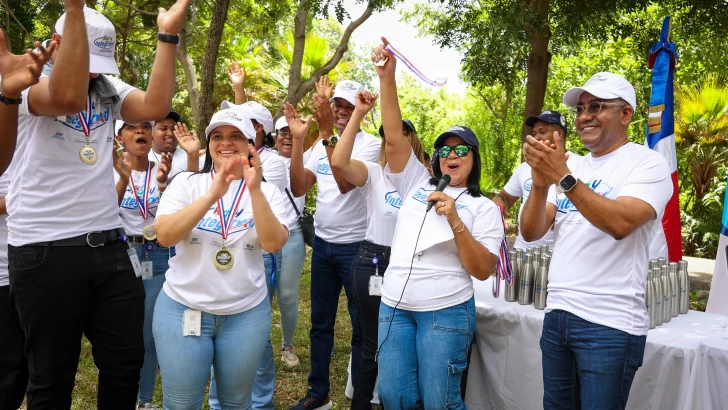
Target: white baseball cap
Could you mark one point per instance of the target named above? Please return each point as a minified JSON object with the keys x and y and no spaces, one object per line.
{"x":232,"y":117}
{"x":604,"y":85}
{"x":101,"y":41}
{"x":118,"y":124}
{"x":281,"y":123}
{"x":255,"y":111}
{"x":347,"y":90}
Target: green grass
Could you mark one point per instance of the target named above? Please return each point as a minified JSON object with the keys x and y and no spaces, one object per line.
{"x":291,"y":384}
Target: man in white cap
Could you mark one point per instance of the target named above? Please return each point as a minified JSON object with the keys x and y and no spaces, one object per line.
{"x":596,"y":323}
{"x":70,"y":273}
{"x":340,"y":224}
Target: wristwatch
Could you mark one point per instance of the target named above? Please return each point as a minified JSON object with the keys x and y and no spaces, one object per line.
{"x":566,"y":184}
{"x":166,"y":38}
{"x":332,"y":141}
{"x":10,"y":101}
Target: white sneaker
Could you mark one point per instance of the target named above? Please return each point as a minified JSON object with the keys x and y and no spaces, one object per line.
{"x":289,"y":358}
{"x":148,"y":406}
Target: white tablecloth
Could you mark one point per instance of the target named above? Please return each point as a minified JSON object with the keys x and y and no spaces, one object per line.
{"x":685,"y":365}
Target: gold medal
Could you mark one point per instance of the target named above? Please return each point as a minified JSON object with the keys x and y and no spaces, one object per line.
{"x":223,"y":259}
{"x":88,"y":155}
{"x":148,"y":233}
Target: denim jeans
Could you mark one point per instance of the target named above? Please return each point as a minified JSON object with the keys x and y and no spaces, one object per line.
{"x":330,"y":270}
{"x":368,"y":309}
{"x":13,"y":365}
{"x":159,"y":256}
{"x":265,"y":378}
{"x":423,"y":355}
{"x":233,"y":343}
{"x":293,"y":256}
{"x":585,"y":365}
{"x":62,"y":293}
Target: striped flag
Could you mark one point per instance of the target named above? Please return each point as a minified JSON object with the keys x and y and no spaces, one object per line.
{"x":717,"y":302}
{"x":667,"y":241}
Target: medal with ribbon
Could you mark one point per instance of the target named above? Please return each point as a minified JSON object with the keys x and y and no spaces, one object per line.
{"x":142,"y":198}
{"x":223,"y":258}
{"x":88,"y":154}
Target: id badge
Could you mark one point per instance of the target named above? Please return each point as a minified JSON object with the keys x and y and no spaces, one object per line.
{"x":135,"y":261}
{"x":375,"y":285}
{"x":191,"y":322}
{"x":147,"y":270}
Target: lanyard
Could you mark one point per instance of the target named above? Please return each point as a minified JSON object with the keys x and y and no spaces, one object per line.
{"x":226,"y":222}
{"x":86,"y":121}
{"x":144,"y":202}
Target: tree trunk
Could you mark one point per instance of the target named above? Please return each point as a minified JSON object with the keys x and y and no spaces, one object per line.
{"x":124,"y":37}
{"x":214,"y":36}
{"x":193,"y":89}
{"x":538,"y":63}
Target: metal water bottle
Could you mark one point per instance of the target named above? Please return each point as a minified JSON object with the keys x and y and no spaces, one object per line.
{"x":545,"y":250}
{"x":683,"y":280}
{"x":525,"y":290}
{"x":536,"y":268}
{"x":667,"y":294}
{"x":541,"y":285}
{"x":653,"y":263}
{"x":511,"y":291}
{"x":659,"y":296}
{"x":650,"y":297}
{"x":674,"y":289}
{"x":520,"y":255}
{"x":661,"y":262}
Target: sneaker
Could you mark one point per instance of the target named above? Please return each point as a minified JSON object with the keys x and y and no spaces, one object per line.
{"x":289,"y":358}
{"x":312,"y":403}
{"x":148,"y":406}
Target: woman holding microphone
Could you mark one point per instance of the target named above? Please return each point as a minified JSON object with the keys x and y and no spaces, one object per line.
{"x":370,"y":263}
{"x":427,"y":314}
{"x":213,"y":308}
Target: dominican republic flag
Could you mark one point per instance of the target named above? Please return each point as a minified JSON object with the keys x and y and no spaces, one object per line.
{"x":717,"y":301}
{"x":667,"y":241}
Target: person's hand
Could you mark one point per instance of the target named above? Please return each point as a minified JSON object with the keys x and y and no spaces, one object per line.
{"x":547,"y":160}
{"x":170,"y":21}
{"x":299,"y":126}
{"x":28,"y":71}
{"x":188,"y":141}
{"x":384,"y":62}
{"x":236,"y":73}
{"x":324,"y":88}
{"x":365,"y":101}
{"x":252,"y":169}
{"x":322,"y":113}
{"x":122,"y":164}
{"x":445,"y":205}
{"x":165,"y":165}
{"x":77,"y":4}
{"x":230,"y":170}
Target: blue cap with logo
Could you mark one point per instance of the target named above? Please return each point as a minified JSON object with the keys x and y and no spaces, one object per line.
{"x":549,"y":117}
{"x":465,"y":133}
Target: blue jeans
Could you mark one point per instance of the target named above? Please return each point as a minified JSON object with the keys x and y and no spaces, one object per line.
{"x":423,"y":355}
{"x":265,"y":378}
{"x":233,"y":343}
{"x":160,"y":263}
{"x":585,"y":365}
{"x":330,"y":270}
{"x":293,"y":256}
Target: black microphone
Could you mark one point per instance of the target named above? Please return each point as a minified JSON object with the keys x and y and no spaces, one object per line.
{"x":441,"y":185}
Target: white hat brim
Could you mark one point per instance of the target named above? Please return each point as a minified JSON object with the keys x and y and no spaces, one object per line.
{"x":571,"y":97}
{"x":216,"y":124}
{"x":102,"y":65}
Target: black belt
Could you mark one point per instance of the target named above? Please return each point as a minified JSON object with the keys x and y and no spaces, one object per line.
{"x":376,"y":248}
{"x":92,"y":239}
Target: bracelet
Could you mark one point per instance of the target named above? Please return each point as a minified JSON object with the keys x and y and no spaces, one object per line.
{"x":166,"y":38}
{"x":162,"y":184}
{"x":456,"y":225}
{"x":10,"y":101}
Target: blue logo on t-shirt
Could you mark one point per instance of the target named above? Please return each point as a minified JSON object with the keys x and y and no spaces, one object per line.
{"x":212,"y":223}
{"x":564,"y":205}
{"x":130,"y":202}
{"x":98,"y":119}
{"x":323,"y":166}
{"x":422,"y":194}
{"x":393,"y":199}
{"x":527,"y":185}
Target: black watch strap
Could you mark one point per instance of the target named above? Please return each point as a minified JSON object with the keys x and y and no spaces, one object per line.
{"x":10,"y":101}
{"x":166,"y":38}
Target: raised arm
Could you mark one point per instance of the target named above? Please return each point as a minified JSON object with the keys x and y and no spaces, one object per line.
{"x":397,"y":147}
{"x":236,"y":73}
{"x":153,"y":104}
{"x":190,"y":143}
{"x":301,"y":179}
{"x":353,"y":170}
{"x":324,"y":115}
{"x":275,"y":234}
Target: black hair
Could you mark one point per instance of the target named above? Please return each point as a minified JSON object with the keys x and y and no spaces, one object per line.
{"x":473,"y":182}
{"x":427,"y":156}
{"x":207,"y":166}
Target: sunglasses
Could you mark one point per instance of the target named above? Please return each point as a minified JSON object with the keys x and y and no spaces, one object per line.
{"x":461,"y":150}
{"x":593,"y":108}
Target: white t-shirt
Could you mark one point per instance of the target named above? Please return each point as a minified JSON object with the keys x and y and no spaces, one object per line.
{"x":438,"y":279}
{"x":192,"y":278}
{"x":520,"y":186}
{"x":291,"y":215}
{"x":179,"y":161}
{"x":383,"y":203}
{"x":275,"y":170}
{"x":341,"y":218}
{"x":53,"y":195}
{"x":4,"y":279}
{"x":592,"y":275}
{"x":131,"y":216}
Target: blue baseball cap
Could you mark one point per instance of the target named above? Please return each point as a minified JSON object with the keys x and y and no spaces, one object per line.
{"x":549,"y":117}
{"x":405,"y":123}
{"x":465,"y":133}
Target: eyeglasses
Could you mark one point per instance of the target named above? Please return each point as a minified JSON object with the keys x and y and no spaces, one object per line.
{"x":593,"y":108}
{"x":283,"y":134}
{"x":461,"y":150}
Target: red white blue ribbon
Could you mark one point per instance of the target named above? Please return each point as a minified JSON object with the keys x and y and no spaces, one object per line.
{"x":226,"y":222}
{"x":144,"y":202}
{"x":438,"y":82}
{"x":503,"y":268}
{"x":86,"y":122}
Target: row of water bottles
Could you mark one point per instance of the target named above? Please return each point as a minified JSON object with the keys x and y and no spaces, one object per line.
{"x":667,"y":293}
{"x":530,"y":276}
